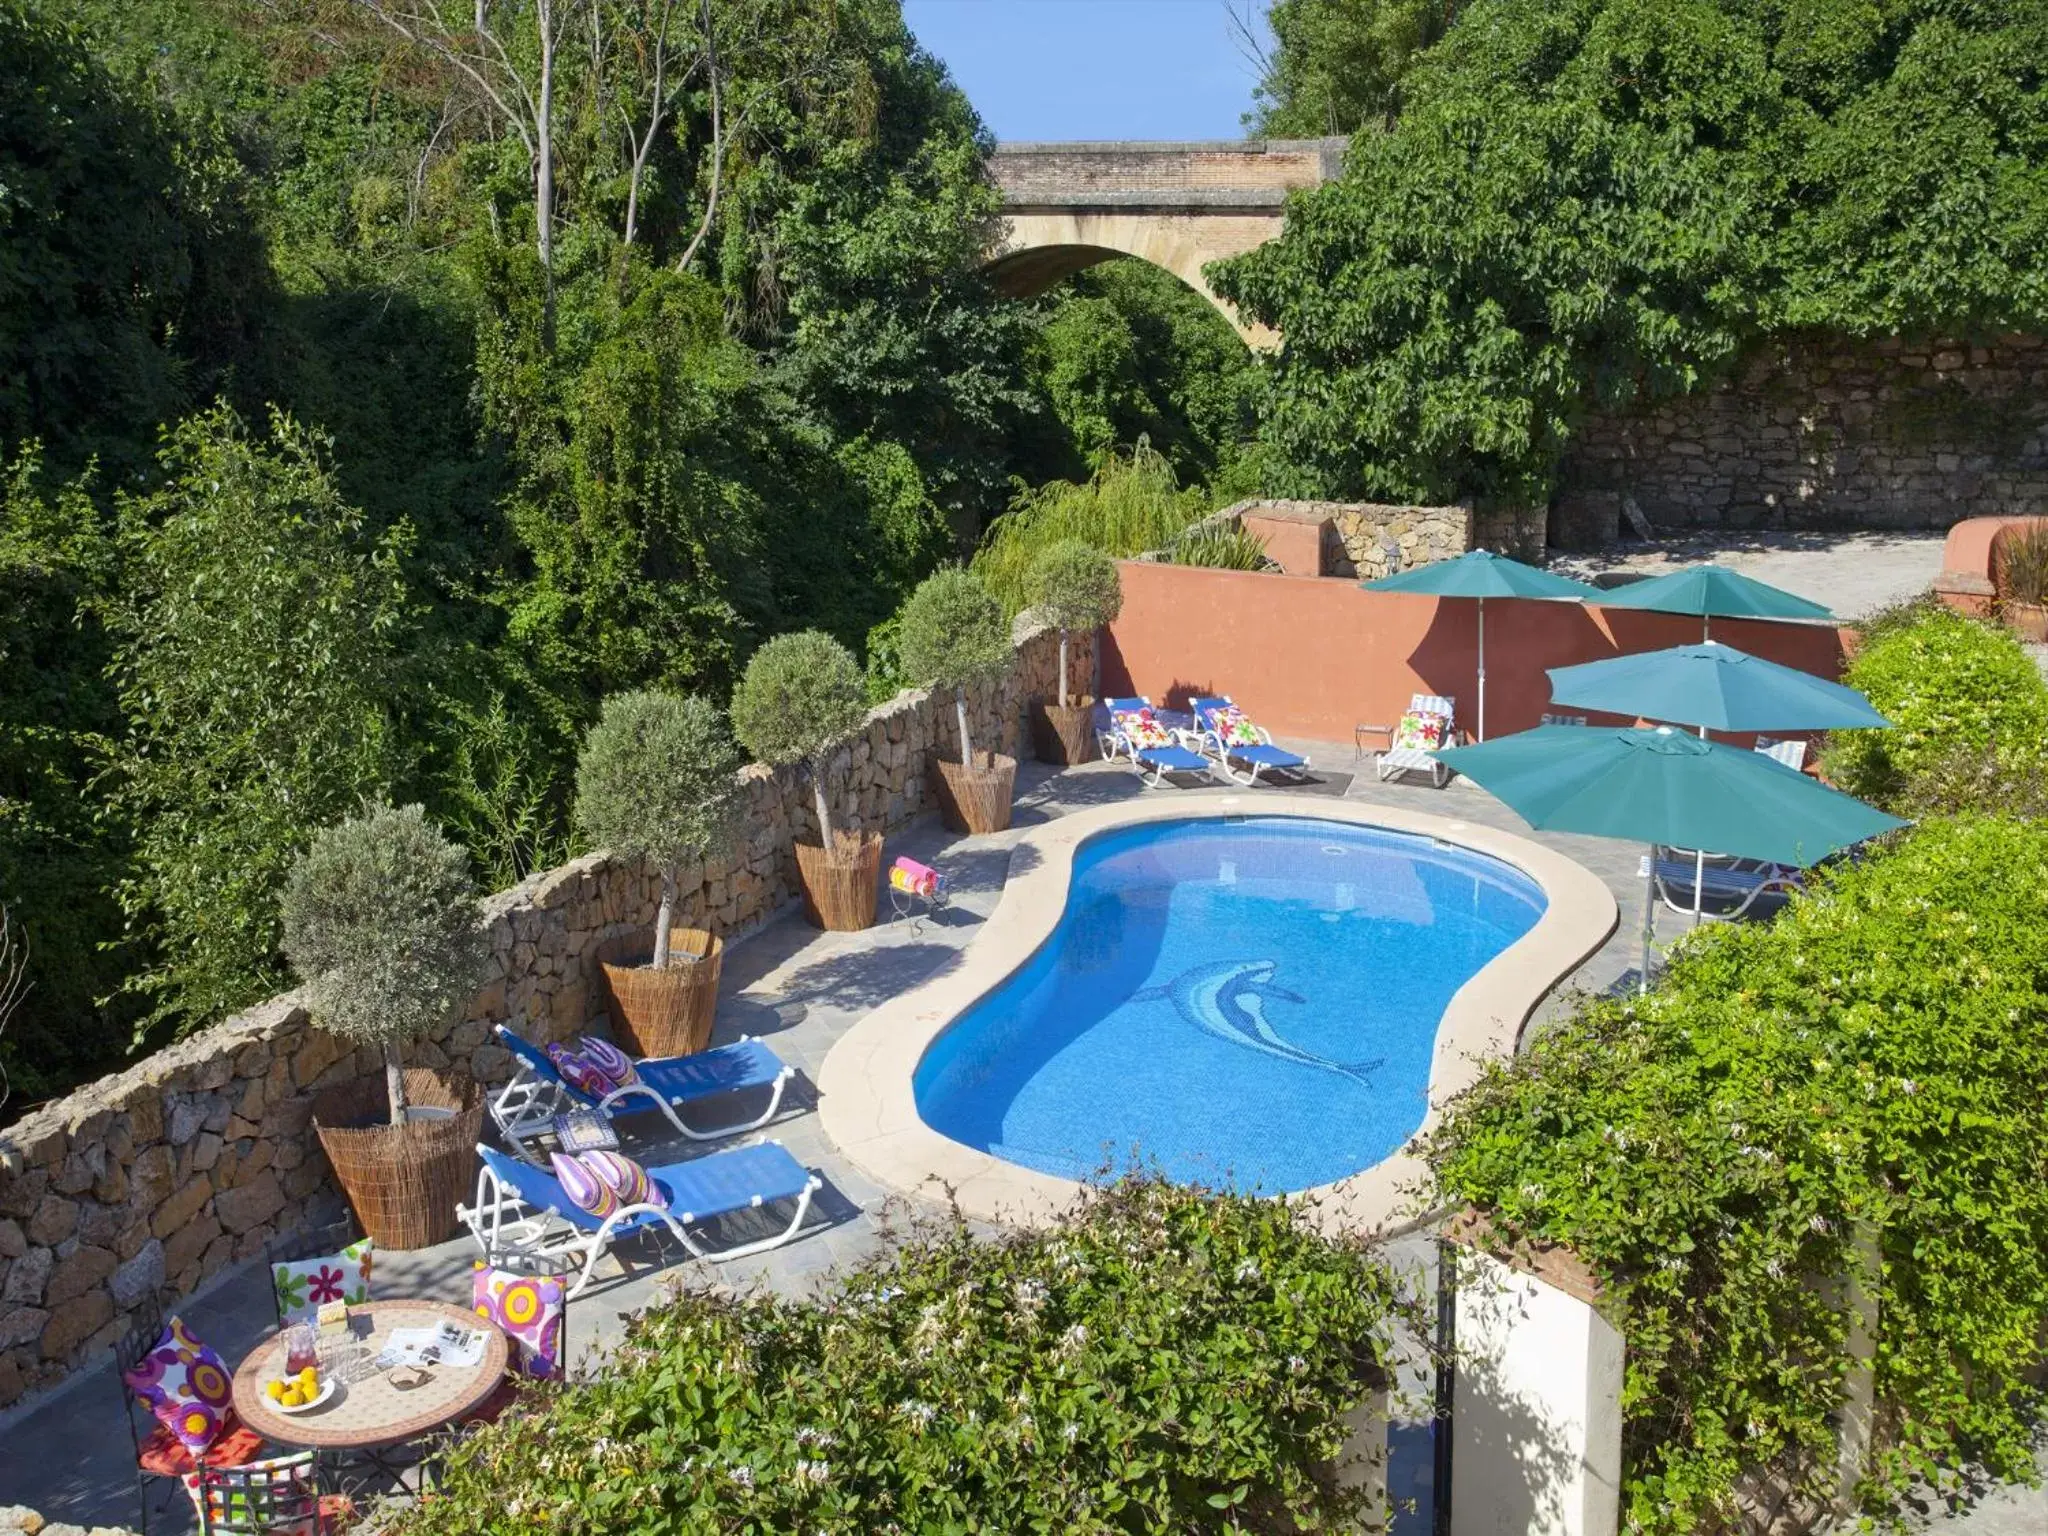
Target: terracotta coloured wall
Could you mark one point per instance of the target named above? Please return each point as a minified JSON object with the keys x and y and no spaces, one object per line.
{"x":1311,"y":658}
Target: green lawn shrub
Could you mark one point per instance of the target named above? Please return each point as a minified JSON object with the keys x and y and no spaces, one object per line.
{"x":1877,"y":1055}
{"x":1163,"y":1360}
{"x":1950,"y":684}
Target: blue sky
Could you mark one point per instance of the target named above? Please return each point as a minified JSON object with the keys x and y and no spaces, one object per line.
{"x":1092,"y":69}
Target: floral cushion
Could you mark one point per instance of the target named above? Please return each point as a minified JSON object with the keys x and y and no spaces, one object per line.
{"x":1234,"y":727}
{"x":579,"y":1071}
{"x":623,"y":1177}
{"x":610,"y":1060}
{"x":1141,"y":730}
{"x":306,"y":1285}
{"x":1422,"y":730}
{"x":530,"y":1309}
{"x":586,"y":1191}
{"x":186,"y":1386}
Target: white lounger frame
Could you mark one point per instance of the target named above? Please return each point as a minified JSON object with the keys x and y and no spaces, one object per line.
{"x":503,"y":1223}
{"x":526,"y":1107}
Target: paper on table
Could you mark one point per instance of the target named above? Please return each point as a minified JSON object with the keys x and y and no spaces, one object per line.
{"x":442,"y":1344}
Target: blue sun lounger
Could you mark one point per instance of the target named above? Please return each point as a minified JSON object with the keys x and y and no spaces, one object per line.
{"x":1153,"y":762}
{"x":526,"y":1107}
{"x":1242,"y":762}
{"x":521,"y":1210}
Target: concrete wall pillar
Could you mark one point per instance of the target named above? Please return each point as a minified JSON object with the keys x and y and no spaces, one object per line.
{"x":1536,"y":1422}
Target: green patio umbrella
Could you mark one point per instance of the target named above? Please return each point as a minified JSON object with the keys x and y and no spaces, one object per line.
{"x":1660,"y":786}
{"x":1713,"y":592}
{"x":1481,"y":574}
{"x":1714,"y":686}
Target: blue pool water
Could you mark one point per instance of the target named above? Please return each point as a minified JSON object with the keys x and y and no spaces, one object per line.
{"x":1249,"y":1003}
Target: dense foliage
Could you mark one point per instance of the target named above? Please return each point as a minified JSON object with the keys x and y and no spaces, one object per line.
{"x":1957,"y":692}
{"x":1874,"y":1060}
{"x":1335,"y":66}
{"x":1162,"y":1360}
{"x":1604,"y":201}
{"x":381,"y":923}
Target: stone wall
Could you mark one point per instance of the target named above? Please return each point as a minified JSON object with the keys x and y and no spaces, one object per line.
{"x":1363,"y":540}
{"x":1820,"y":433}
{"x":155,"y":1179}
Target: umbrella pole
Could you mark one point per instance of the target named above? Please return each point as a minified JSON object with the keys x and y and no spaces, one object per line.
{"x":1699,"y":868}
{"x":1482,"y":669}
{"x":1649,"y":917}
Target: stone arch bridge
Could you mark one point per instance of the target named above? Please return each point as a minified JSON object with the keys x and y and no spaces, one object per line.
{"x":1176,"y":205}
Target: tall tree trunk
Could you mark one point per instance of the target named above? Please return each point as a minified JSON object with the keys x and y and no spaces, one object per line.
{"x":663,"y":918}
{"x":824,"y":807}
{"x":544,"y":171}
{"x":394,"y":1082}
{"x":960,"y":709}
{"x":717,"y":145}
{"x":1063,"y":667}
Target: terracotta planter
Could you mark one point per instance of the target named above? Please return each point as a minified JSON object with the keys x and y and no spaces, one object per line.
{"x":977,"y":799}
{"x":2027,"y":620}
{"x":1063,"y":733}
{"x":666,"y":1012}
{"x":404,"y":1181}
{"x":839,"y":886}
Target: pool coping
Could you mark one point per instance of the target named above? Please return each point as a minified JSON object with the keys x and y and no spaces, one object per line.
{"x":869,"y":1109}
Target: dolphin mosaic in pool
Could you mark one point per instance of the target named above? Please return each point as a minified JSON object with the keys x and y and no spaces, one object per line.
{"x":1227,"y":999}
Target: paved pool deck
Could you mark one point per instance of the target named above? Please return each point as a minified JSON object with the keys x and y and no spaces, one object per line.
{"x":800,"y":990}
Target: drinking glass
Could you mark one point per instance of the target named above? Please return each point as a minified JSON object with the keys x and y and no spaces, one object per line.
{"x":302,"y":1348}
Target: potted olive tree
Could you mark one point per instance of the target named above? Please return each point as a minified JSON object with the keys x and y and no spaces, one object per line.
{"x":657,"y":781}
{"x":802,"y":695}
{"x":952,"y":635}
{"x":1074,"y":586}
{"x":381,"y":923}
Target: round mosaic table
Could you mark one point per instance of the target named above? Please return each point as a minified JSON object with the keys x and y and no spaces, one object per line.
{"x":371,"y":1412}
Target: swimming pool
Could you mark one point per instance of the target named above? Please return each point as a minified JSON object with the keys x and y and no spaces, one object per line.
{"x":1250,"y":1002}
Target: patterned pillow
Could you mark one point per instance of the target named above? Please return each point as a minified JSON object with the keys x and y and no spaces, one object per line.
{"x":186,"y":1386}
{"x":579,"y":1071}
{"x":1141,"y":730}
{"x":305,"y":1285}
{"x":290,"y":1501}
{"x":585,"y":1190}
{"x":625,"y":1178}
{"x":530,"y":1309}
{"x":611,"y":1061}
{"x":1234,"y":727}
{"x":1422,"y":730}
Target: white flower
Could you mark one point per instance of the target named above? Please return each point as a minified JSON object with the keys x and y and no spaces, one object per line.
{"x":814,"y":1471}
{"x":743,"y":1475}
{"x":1248,"y":1271}
{"x":918,"y":1413}
{"x":812,"y":1436}
{"x":1031,"y":1294}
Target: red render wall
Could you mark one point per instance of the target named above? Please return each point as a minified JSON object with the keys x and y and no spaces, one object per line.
{"x":1312,"y":657}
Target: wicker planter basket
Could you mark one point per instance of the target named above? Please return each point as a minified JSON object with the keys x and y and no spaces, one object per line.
{"x":975,"y":799}
{"x":1063,"y":733}
{"x":666,"y":1012}
{"x":839,"y":887}
{"x":403,"y":1180}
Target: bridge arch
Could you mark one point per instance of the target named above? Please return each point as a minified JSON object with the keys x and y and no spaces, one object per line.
{"x":1176,"y":205}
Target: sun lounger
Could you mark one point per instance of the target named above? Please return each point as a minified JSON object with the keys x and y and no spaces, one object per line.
{"x":524,"y":1211}
{"x":1412,"y":744}
{"x":525,"y":1108}
{"x":1221,"y":728}
{"x":1133,"y":733}
{"x":1791,"y":753}
{"x":1732,"y":885}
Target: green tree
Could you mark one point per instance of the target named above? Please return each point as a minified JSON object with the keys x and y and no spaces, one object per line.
{"x":1074,"y":586}
{"x":380,"y":922}
{"x":258,"y":626}
{"x":801,"y":696}
{"x":952,"y":634}
{"x":657,"y":780}
{"x":1336,"y":66}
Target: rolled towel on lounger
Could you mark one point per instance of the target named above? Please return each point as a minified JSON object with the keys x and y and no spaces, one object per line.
{"x":923,"y":879}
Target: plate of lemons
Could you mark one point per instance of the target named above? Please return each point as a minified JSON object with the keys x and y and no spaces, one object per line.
{"x":301,"y":1393}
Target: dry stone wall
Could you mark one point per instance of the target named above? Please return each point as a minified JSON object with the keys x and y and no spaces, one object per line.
{"x":147,"y":1183}
{"x":1820,"y":433}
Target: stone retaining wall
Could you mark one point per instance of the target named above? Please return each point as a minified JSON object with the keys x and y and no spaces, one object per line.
{"x":1820,"y":433}
{"x":152,"y":1180}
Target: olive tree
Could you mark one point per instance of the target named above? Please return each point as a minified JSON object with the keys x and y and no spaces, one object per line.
{"x":1074,"y":586}
{"x":952,"y":635}
{"x":381,"y":923}
{"x":655,"y":780}
{"x":801,"y":696}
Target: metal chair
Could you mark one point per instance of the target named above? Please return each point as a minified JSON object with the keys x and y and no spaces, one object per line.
{"x":278,"y":1497}
{"x":159,"y":1454}
{"x":296,"y":1247}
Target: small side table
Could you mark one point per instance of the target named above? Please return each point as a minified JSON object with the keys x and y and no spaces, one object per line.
{"x":585,"y":1130}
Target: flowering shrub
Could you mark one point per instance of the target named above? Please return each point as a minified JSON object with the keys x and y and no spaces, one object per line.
{"x":1876,"y":1058}
{"x":1165,"y":1359}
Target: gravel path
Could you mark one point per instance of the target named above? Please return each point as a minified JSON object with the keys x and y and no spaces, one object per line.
{"x":1852,"y":573}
